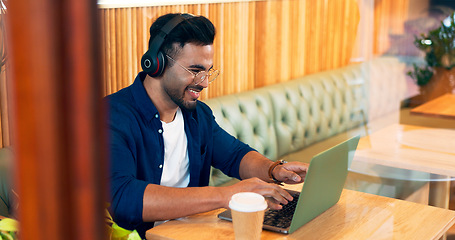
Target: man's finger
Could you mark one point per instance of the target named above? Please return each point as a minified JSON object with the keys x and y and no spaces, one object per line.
{"x":287,"y":175}
{"x":277,"y":193}
{"x":296,"y":167}
{"x":274,"y":205}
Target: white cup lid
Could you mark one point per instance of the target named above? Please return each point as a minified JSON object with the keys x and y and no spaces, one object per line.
{"x":247,"y":202}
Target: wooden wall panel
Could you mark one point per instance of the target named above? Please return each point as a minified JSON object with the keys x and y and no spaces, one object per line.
{"x":267,"y":32}
{"x":257,"y":43}
{"x":297,"y":25}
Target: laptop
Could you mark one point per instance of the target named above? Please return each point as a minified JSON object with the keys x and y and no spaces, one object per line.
{"x":321,"y":189}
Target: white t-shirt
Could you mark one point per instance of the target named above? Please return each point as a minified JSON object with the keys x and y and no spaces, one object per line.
{"x":176,"y":162}
{"x":175,"y":168}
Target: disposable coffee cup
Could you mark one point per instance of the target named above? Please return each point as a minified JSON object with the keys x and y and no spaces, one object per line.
{"x":247,"y":209}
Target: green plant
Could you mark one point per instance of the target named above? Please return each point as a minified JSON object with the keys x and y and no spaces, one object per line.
{"x":116,"y":232}
{"x":439,"y":48}
{"x":422,"y":75}
{"x":8,"y":229}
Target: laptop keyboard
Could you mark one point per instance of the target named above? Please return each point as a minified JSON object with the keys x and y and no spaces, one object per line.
{"x":282,"y":218}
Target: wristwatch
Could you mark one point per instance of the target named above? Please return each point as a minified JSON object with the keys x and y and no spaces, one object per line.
{"x":279,"y":162}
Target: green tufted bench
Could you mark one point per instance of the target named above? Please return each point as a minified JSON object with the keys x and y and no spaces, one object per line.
{"x":286,"y":118}
{"x":297,"y":119}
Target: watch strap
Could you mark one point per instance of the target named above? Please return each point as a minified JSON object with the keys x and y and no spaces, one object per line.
{"x":272,"y":167}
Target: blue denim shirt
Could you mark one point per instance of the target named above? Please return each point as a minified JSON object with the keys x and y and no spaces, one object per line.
{"x":137,"y":150}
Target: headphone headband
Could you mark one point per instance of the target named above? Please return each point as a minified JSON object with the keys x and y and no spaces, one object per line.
{"x":158,"y":40}
{"x":153,"y":61}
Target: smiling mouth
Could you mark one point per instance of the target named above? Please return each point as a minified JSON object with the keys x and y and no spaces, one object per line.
{"x":194,"y":93}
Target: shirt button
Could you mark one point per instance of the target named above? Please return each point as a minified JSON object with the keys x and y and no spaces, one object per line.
{"x":160,"y":130}
{"x":156,"y":115}
{"x":161,"y":166}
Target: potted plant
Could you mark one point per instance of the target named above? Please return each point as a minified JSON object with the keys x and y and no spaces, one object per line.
{"x":437,"y":77}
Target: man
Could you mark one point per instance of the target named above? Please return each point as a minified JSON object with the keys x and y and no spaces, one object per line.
{"x":163,"y":141}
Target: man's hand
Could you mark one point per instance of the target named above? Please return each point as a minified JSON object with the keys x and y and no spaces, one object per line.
{"x":273,"y":193}
{"x":290,"y":173}
{"x":254,"y":169}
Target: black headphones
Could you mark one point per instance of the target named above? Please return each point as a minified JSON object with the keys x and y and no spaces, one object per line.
{"x":153,"y":61}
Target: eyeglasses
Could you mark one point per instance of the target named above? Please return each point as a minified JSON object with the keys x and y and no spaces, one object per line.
{"x":200,"y":76}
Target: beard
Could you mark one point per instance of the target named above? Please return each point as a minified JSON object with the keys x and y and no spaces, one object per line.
{"x":177,"y":98}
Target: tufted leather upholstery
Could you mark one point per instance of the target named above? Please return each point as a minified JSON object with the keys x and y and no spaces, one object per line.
{"x":284,"y":118}
{"x":249,"y":117}
{"x":316,"y":107}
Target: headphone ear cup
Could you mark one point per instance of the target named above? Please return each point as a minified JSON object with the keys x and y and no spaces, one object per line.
{"x":147,"y":62}
{"x":153,"y":66}
{"x":161,"y":64}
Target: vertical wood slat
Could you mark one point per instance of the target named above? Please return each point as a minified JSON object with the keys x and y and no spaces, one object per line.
{"x":267,"y":48}
{"x":217,"y":17}
{"x":352,"y":29}
{"x":312,"y":17}
{"x":228,"y":48}
{"x":330,"y":18}
{"x":58,"y":138}
{"x":251,"y":51}
{"x":346,"y":34}
{"x":298,"y":32}
{"x":285,"y":42}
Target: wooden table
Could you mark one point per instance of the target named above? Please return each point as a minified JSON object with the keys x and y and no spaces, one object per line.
{"x":443,"y":107}
{"x":356,"y":216}
{"x":414,"y":148}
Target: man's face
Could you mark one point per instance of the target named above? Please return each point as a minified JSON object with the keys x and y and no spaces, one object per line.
{"x":178,"y":83}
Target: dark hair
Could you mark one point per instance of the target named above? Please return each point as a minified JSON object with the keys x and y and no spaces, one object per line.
{"x":197,"y":30}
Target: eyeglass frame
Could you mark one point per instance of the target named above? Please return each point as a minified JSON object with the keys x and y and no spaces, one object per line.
{"x":208,"y":73}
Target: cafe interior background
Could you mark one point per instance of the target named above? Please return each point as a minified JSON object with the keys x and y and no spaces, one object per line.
{"x":76,"y":52}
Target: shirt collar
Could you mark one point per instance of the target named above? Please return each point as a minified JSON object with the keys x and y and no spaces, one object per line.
{"x":145,"y":104}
